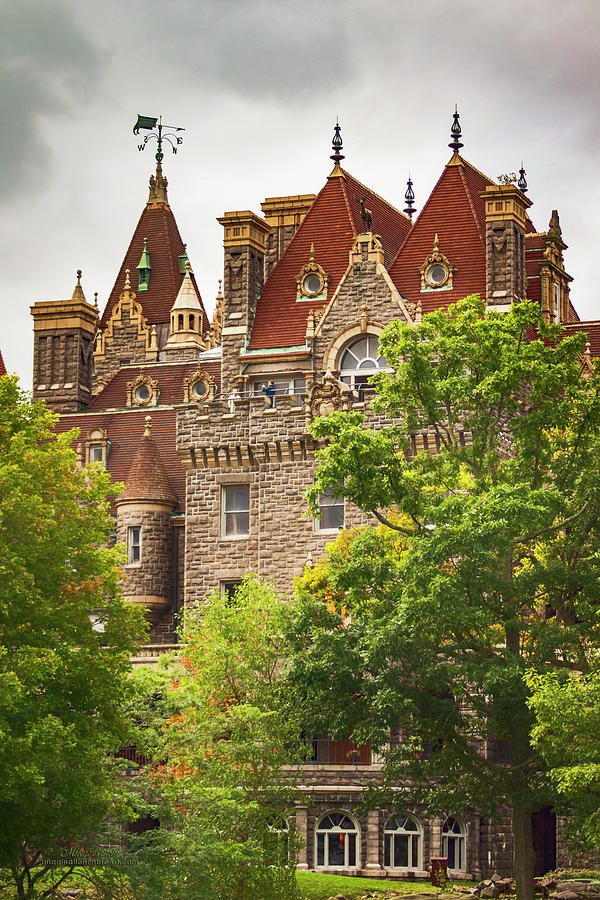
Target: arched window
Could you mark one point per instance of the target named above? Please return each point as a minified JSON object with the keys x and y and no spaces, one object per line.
{"x":337,"y":841}
{"x":192,"y":323}
{"x":454,"y":844}
{"x":180,"y":322}
{"x":360,"y":359}
{"x":402,"y":843}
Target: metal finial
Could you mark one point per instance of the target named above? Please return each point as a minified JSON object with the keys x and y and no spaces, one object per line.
{"x":79,"y":274}
{"x":522,"y":183}
{"x":148,"y":428}
{"x":455,"y":132}
{"x":96,"y":299}
{"x":336,"y":144}
{"x":168,"y":133}
{"x":409,"y":196}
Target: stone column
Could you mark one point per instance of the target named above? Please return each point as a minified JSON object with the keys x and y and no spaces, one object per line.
{"x":373,"y":831}
{"x":302,"y":827}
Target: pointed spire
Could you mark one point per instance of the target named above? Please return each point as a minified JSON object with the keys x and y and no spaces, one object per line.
{"x":187,"y":298}
{"x":158,"y":188}
{"x":455,"y":132}
{"x":127,"y":281}
{"x":522,"y":183}
{"x":219,"y":291}
{"x":312,"y":252}
{"x":78,"y":290}
{"x":554,"y":228}
{"x":409,"y":196}
{"x":336,"y":145}
{"x":147,"y":478}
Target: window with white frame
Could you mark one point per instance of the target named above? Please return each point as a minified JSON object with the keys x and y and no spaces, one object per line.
{"x":134,"y":545}
{"x":332,"y":512}
{"x":96,"y":453}
{"x":361,"y":359}
{"x":283,"y":386}
{"x":403,"y":845}
{"x":235,"y":510}
{"x":336,"y":838}
{"x":556,"y":302}
{"x":454,"y":844}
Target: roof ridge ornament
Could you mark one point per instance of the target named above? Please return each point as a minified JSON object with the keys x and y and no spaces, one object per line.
{"x":522,"y":183}
{"x":455,"y":132}
{"x":148,"y":427}
{"x":409,"y":196}
{"x":336,"y":144}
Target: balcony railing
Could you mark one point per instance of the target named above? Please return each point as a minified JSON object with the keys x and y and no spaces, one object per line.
{"x":326,"y":751}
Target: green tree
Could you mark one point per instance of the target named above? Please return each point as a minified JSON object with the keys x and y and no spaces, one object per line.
{"x":567,"y":725}
{"x":63,"y":678}
{"x":218,"y":724}
{"x":496,"y":563}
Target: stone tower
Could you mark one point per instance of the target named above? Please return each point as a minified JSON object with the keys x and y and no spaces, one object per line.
{"x":244,"y":243}
{"x":144,"y":524}
{"x":64,"y":332}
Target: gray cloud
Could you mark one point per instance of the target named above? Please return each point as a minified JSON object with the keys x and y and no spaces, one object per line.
{"x":47,"y":67}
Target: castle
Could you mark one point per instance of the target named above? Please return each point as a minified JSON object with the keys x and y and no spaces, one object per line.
{"x":206,"y":422}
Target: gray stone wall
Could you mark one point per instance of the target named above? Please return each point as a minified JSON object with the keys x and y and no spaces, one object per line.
{"x":243,"y":279}
{"x":363,"y":287}
{"x":505,"y":262}
{"x":277,"y":240}
{"x":154,"y":574}
{"x":62,"y":369}
{"x":124,"y":345}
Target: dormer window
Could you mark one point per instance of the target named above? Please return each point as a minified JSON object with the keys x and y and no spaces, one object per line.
{"x":436,"y":271}
{"x":143,"y":268}
{"x":142,"y":391}
{"x":97,"y":446}
{"x":312,"y":280}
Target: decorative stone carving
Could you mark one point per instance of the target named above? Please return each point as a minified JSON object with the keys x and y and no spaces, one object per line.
{"x":436,"y":271}
{"x":326,"y":397}
{"x":312,"y":279}
{"x":198,"y":386}
{"x":142,"y":391}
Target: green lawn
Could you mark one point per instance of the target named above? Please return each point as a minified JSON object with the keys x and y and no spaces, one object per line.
{"x":316,"y":886}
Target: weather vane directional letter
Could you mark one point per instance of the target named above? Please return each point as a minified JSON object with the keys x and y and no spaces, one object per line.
{"x":168,"y":133}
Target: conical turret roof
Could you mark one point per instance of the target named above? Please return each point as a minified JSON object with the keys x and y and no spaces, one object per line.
{"x":147,"y":478}
{"x":164,"y":246}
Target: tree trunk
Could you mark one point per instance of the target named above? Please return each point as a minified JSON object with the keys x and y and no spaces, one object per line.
{"x":524,"y":854}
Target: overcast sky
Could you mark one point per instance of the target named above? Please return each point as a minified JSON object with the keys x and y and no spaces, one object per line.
{"x":257,"y":84}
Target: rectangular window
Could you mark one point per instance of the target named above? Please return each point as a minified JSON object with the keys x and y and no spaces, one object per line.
{"x":556,"y":302}
{"x":96,"y":453}
{"x":332,"y":512}
{"x":235,"y":510}
{"x":134,"y":545}
{"x":228,"y":589}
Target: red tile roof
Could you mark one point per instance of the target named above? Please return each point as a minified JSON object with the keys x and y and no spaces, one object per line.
{"x":125,"y":431}
{"x":592,"y":329}
{"x":147,"y":478}
{"x":331,"y":224}
{"x":157,"y":224}
{"x":2,"y":366}
{"x":455,"y":212}
{"x":168,"y":375}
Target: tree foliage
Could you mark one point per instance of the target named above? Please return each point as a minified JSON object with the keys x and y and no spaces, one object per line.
{"x":63,"y":682}
{"x":221,"y":789}
{"x":487,"y":566}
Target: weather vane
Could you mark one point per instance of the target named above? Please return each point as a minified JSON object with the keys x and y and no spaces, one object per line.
{"x":168,"y":133}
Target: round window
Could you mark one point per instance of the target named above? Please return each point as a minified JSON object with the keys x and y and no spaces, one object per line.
{"x":199,"y":389}
{"x":313,"y":283}
{"x":142,"y":393}
{"x":437,"y":274}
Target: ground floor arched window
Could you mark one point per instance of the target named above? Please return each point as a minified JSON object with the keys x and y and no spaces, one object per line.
{"x":337,"y":841}
{"x":454,"y":844}
{"x":402,"y":843}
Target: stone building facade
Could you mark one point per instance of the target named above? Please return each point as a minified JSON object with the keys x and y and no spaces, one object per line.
{"x":215,"y":469}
